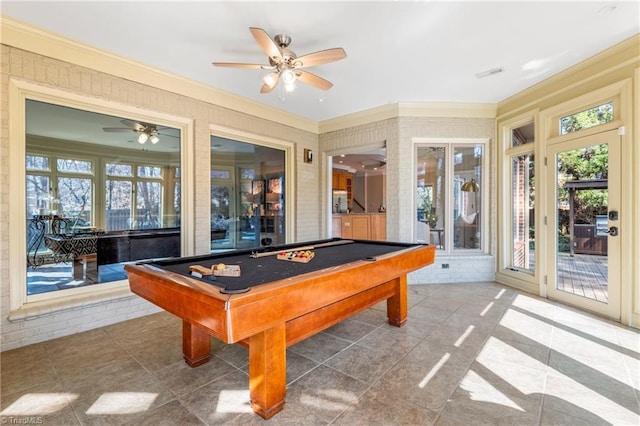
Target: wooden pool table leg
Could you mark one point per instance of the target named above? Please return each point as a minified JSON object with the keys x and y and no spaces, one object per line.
{"x":196,"y":345}
{"x":397,"y":304}
{"x":268,"y":371}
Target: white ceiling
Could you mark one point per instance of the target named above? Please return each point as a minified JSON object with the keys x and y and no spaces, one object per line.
{"x":396,"y":51}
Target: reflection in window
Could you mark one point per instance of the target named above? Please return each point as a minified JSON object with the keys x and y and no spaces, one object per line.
{"x":522,"y":211}
{"x":468,"y":196}
{"x":523,"y":135}
{"x":448,"y":211}
{"x":119,"y":169}
{"x":430,"y":196}
{"x":74,"y":166}
{"x":521,"y":198}
{"x":247,"y":195}
{"x":81,"y":209}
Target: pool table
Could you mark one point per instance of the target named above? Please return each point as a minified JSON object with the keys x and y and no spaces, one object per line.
{"x":276,"y":303}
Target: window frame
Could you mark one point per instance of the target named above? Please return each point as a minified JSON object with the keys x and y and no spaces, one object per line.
{"x":507,"y":152}
{"x":22,"y":305}
{"x":449,"y":229}
{"x":514,"y":152}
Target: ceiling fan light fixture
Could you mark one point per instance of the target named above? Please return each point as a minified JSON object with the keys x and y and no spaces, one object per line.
{"x":289,"y":87}
{"x":154,"y":139}
{"x":142,"y":138}
{"x":288,"y":76}
{"x":270,"y":79}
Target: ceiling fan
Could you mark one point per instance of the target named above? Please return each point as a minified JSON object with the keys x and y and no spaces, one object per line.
{"x":146,"y":131}
{"x":285,"y":65}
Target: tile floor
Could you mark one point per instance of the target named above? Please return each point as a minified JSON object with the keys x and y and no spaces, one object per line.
{"x":470,"y":354}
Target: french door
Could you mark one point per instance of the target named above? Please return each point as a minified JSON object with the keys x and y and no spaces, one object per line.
{"x":583,"y":222}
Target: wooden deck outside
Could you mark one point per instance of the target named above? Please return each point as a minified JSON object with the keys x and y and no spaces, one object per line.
{"x":583,"y":275}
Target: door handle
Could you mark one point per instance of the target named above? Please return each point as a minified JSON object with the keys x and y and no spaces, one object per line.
{"x":613,"y":231}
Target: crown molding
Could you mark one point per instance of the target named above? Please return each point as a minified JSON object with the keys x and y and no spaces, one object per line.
{"x":409,"y":109}
{"x":447,"y":109}
{"x":29,"y":38}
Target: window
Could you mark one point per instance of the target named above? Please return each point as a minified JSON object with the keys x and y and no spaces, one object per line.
{"x":590,"y":117}
{"x":449,"y":197}
{"x":247,"y":194}
{"x":86,"y":193}
{"x":520,"y":199}
{"x":522,"y":135}
{"x":65,"y":191}
{"x":146,"y":187}
{"x":523,"y":211}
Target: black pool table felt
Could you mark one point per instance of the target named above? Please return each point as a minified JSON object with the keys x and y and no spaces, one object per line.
{"x":261,"y":270}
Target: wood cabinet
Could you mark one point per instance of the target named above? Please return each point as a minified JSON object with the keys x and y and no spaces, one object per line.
{"x":378,"y":227}
{"x":360,"y":226}
{"x":336,"y":226}
{"x":349,"y":184}
{"x":339,"y":180}
{"x":343,"y":181}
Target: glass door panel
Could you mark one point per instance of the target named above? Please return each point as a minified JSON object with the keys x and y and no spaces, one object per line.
{"x":222,"y":233}
{"x":585,"y":255}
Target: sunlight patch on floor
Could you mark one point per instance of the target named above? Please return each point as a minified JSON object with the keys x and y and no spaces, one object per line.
{"x":234,"y":401}
{"x":588,"y":400}
{"x":500,"y":293}
{"x":482,"y":391}
{"x":38,"y":404}
{"x":600,"y":358}
{"x":463,"y":336}
{"x":434,"y":370}
{"x":122,"y":403}
{"x":535,"y":306}
{"x":514,"y":367}
{"x":572,"y":340}
{"x":534,"y":329}
{"x":489,"y":306}
{"x":330,"y":399}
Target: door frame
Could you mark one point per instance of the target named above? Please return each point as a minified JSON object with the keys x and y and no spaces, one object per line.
{"x":613,"y":308}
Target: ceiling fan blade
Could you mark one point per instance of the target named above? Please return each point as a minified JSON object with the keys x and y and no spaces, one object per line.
{"x":320,"y":57}
{"x":130,"y":123}
{"x":118,"y":129}
{"x":267,"y":44}
{"x":314,"y":80}
{"x":237,"y":65}
{"x":266,"y":89}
